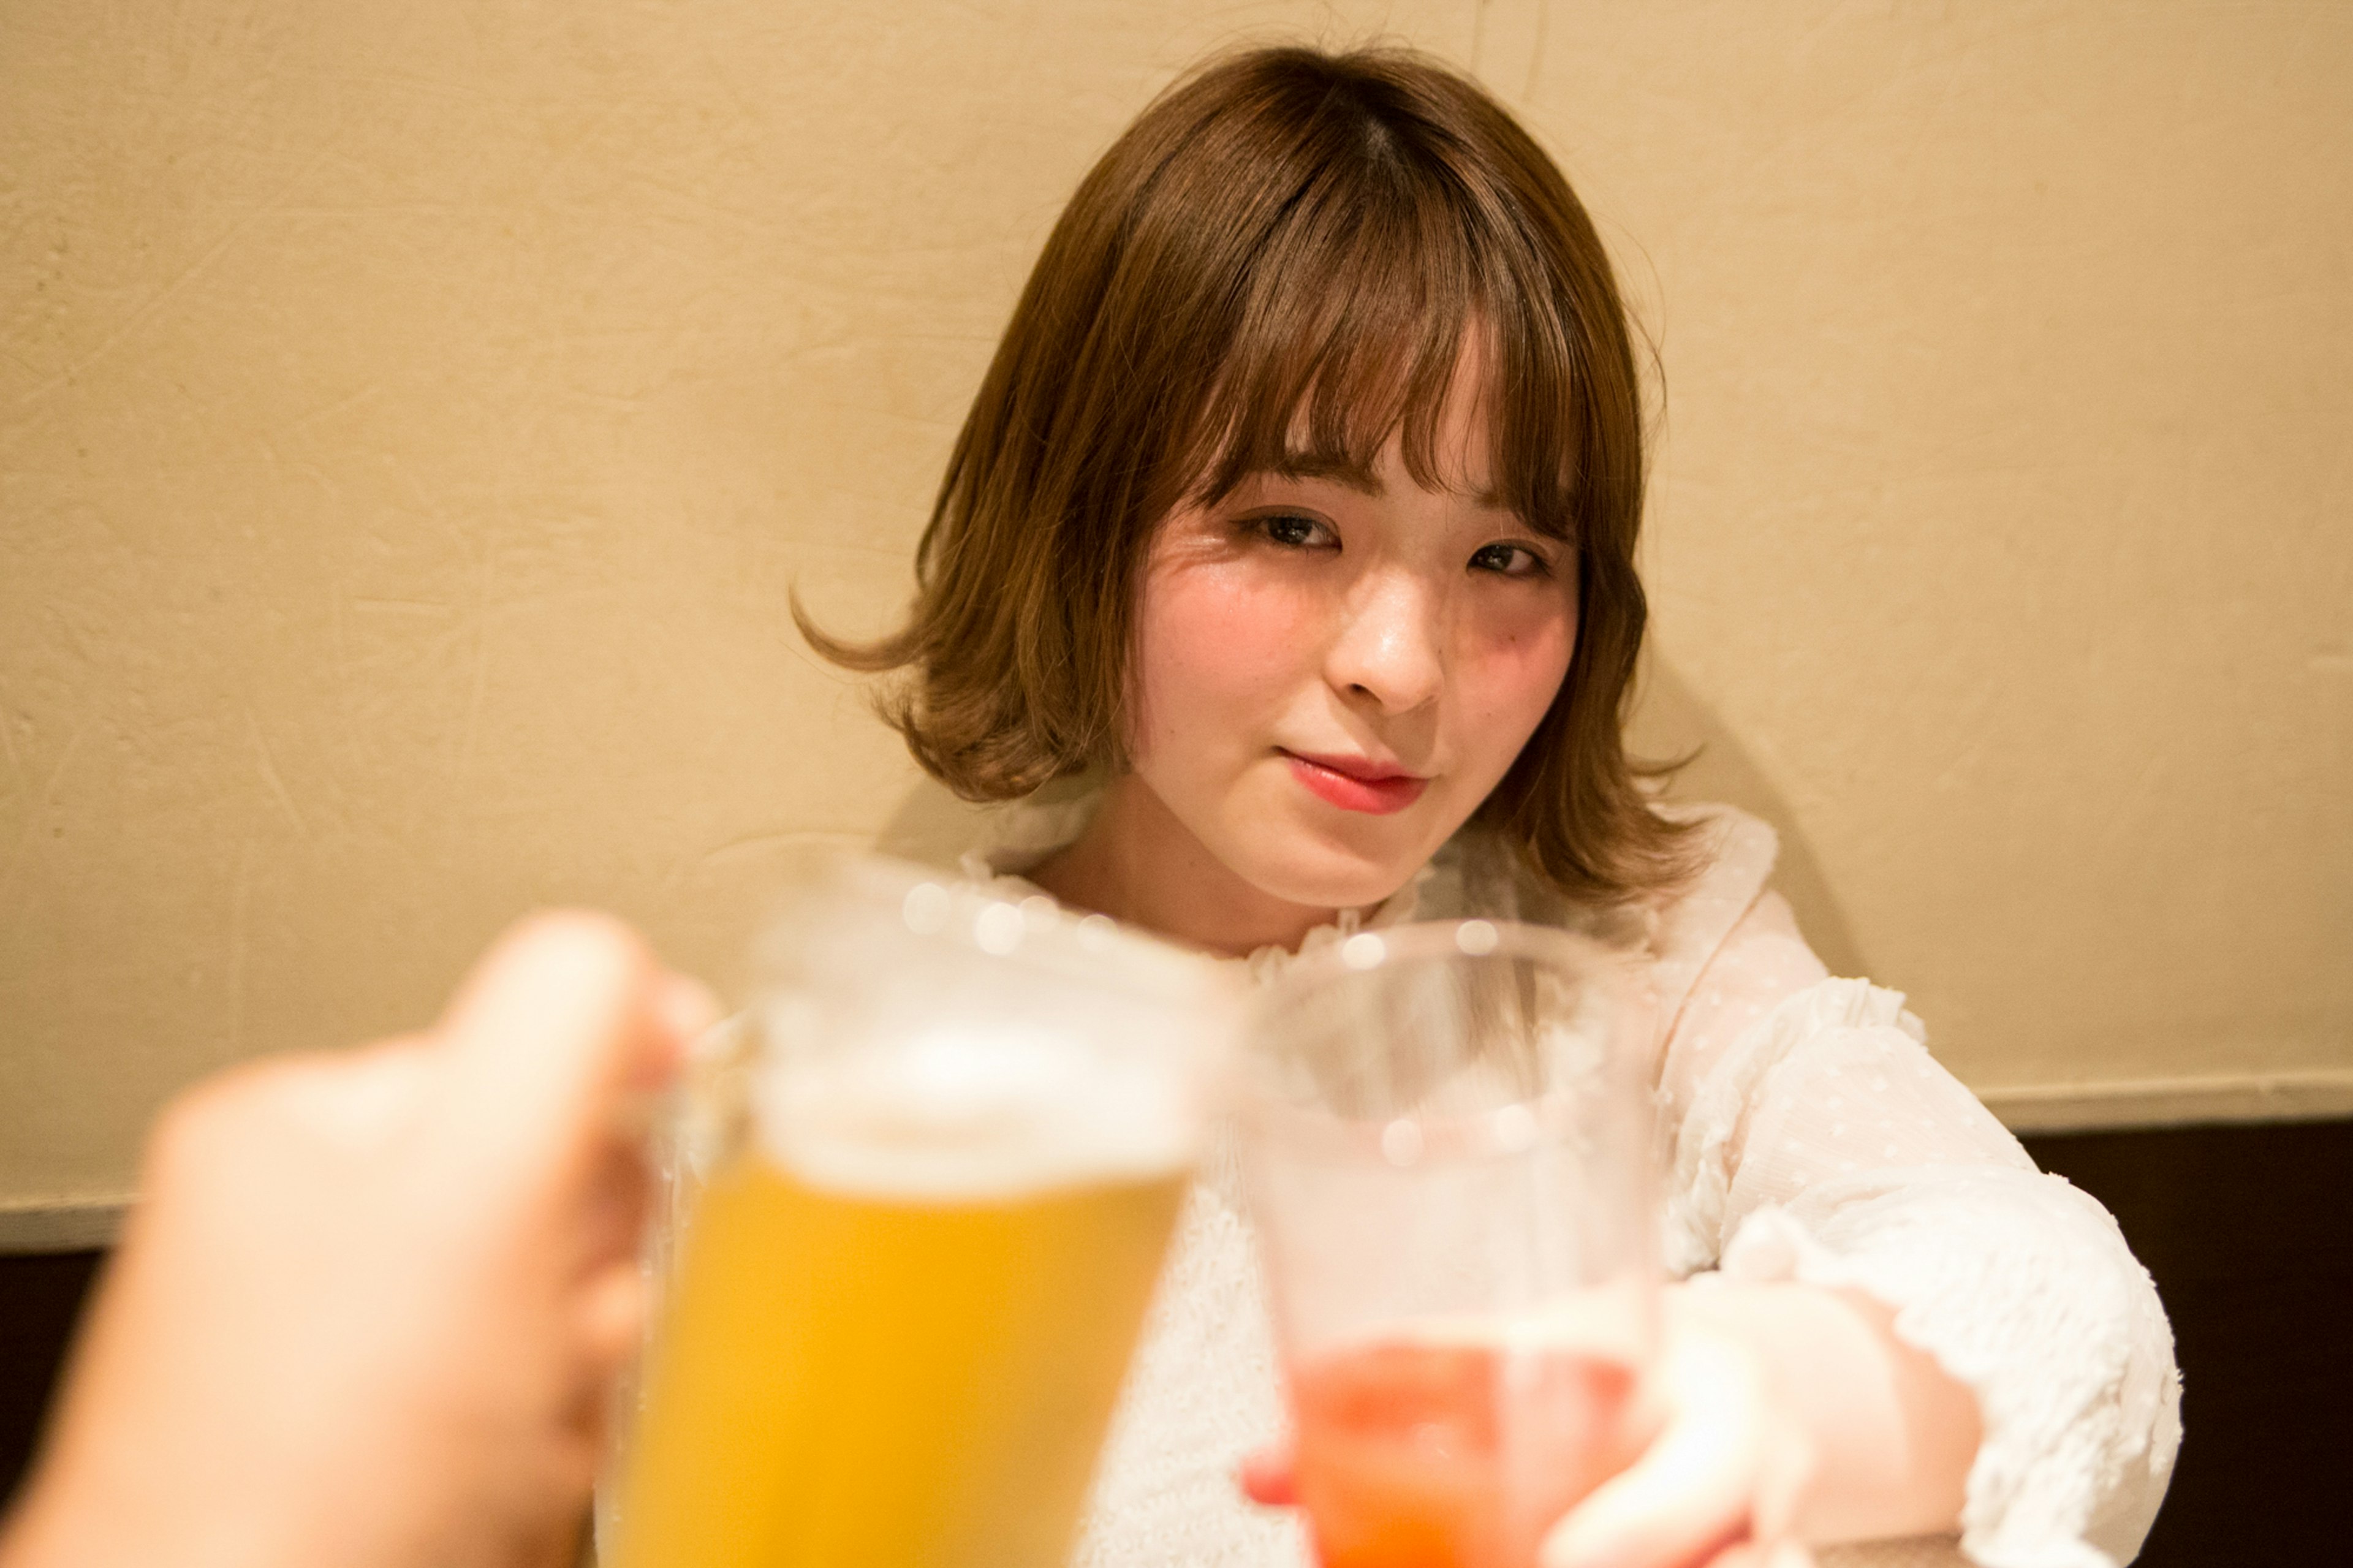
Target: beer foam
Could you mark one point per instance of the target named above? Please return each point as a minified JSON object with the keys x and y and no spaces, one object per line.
{"x":979,"y":1113}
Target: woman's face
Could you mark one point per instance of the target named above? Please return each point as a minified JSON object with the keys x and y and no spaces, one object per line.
{"x":1330,"y":678}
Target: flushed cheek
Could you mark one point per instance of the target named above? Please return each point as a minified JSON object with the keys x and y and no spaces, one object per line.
{"x":1507,"y":679}
{"x":1214,"y":649}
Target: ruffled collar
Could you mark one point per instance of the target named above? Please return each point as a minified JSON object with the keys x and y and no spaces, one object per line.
{"x":1025,"y":833}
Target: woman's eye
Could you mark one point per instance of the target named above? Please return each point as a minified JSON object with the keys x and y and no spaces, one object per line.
{"x":1509,"y":561}
{"x":1293,"y":532}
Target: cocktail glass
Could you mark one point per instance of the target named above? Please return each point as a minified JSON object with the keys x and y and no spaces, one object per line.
{"x":1447,"y":1148}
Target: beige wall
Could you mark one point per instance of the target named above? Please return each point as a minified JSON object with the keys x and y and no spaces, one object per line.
{"x":412,"y":416}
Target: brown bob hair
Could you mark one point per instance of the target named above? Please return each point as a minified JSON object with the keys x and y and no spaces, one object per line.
{"x":1274,"y":269}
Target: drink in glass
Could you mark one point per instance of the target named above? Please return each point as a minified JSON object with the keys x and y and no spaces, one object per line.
{"x":910,"y":1287}
{"x":1448,"y":1149}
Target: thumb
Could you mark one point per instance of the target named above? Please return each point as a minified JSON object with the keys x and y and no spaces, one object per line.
{"x":556,"y":1025}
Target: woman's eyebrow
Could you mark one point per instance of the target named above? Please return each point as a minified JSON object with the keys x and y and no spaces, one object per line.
{"x":1355,"y":476}
{"x":1336,"y":471}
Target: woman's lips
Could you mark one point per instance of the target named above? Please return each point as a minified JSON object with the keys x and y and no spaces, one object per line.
{"x":1353,"y":785}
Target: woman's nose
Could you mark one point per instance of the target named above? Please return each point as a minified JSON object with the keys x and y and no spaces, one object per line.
{"x":1390,"y":647}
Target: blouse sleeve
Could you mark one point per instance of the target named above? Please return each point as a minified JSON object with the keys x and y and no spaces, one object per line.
{"x":1813,"y":1138}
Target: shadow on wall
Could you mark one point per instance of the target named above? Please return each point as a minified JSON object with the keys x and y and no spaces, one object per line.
{"x":931,"y":826}
{"x":1672,"y":720}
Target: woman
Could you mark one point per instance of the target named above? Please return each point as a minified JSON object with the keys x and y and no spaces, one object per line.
{"x":1299,"y":506}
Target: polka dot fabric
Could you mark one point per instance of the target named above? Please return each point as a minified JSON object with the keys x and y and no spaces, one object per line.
{"x":1810,"y":1136}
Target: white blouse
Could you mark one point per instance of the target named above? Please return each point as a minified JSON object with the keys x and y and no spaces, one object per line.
{"x":1814,"y":1139}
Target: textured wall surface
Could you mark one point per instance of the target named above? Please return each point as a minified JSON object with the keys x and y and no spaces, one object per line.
{"x":413,"y":416}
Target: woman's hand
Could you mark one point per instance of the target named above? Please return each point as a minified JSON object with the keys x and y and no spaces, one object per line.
{"x":1788,"y":1414}
{"x":1782,"y":1415}
{"x":1719,"y":1484}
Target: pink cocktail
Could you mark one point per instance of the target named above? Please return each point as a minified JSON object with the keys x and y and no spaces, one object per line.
{"x":1447,"y":1135}
{"x":1414,"y":1455}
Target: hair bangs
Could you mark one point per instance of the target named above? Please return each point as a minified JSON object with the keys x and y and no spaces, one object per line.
{"x":1373,"y":293}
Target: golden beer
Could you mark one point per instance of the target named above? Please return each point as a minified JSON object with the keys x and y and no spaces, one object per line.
{"x":919,"y":1230}
{"x":854,"y":1380}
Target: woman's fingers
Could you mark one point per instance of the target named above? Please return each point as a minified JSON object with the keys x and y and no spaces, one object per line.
{"x":1749,"y":1554}
{"x":1693,"y":1494}
{"x":1266,"y":1479}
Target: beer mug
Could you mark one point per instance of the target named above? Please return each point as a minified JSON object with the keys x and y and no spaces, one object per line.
{"x":1448,"y":1152}
{"x":943,"y":1164}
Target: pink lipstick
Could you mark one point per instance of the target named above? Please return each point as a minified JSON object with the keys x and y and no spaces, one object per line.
{"x":1353,"y":783}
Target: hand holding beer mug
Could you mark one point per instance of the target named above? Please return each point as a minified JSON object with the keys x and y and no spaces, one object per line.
{"x":1448,"y":1149}
{"x":953,"y":1150}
